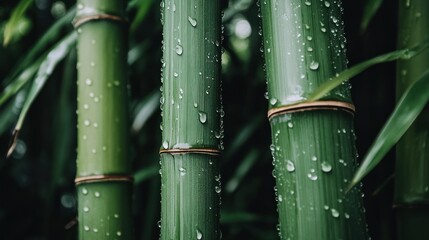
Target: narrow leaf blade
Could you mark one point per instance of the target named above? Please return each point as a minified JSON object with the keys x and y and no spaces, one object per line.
{"x":409,"y":107}
{"x":355,"y":70}
{"x":45,"y":70}
{"x":371,"y":8}
{"x":12,"y":24}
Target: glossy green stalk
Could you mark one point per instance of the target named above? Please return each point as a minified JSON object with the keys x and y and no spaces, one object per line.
{"x":313,"y":151}
{"x":191,"y":119}
{"x":104,"y":208}
{"x":412,"y":152}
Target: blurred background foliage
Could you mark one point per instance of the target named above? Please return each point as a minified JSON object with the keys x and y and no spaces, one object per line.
{"x":38,"y":195}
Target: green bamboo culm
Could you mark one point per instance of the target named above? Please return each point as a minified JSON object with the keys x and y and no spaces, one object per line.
{"x":191,"y":127}
{"x":103,"y":184}
{"x":411,"y":200}
{"x":312,"y":146}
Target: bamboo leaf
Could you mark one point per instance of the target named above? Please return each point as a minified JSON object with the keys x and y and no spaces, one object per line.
{"x":371,"y":8}
{"x":144,"y":111}
{"x":409,"y":107}
{"x":145,"y":174}
{"x":12,"y":24}
{"x":45,"y":70}
{"x":143,"y":8}
{"x":355,"y":70}
{"x":47,"y":38}
{"x":19,"y":82}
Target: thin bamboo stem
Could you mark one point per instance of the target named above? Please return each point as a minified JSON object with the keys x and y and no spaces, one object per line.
{"x":104,"y":207}
{"x":412,"y":166}
{"x":191,"y":120}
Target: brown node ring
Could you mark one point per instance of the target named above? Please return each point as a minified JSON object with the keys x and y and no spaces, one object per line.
{"x":310,"y":106}
{"x":81,"y":20}
{"x":103,"y":178}
{"x":206,"y":151}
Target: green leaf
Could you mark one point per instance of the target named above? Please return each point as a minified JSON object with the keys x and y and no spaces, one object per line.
{"x":45,"y":70}
{"x":143,"y":8}
{"x":145,"y":174}
{"x":11,"y":26}
{"x":355,"y":70}
{"x":408,"y":108}
{"x":145,"y":109}
{"x":47,"y":38}
{"x":371,"y":8}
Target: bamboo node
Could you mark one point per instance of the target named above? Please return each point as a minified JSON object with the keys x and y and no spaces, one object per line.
{"x":81,"y":20}
{"x":206,"y":151}
{"x":311,"y":106}
{"x":103,"y":178}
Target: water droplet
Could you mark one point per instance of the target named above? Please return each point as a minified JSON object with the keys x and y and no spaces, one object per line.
{"x":307,"y":3}
{"x":335,"y":213}
{"x":165,"y":144}
{"x":218,"y":189}
{"x":312,"y":176}
{"x":94,"y":151}
{"x":192,"y":21}
{"x":182,"y":171}
{"x":175,"y":74}
{"x":116,"y":215}
{"x":346,"y":215}
{"x":290,"y":166}
{"x":326,"y":207}
{"x":86,"y":228}
{"x":92,"y":64}
{"x":88,"y":82}
{"x":119,"y":233}
{"x":86,"y":123}
{"x":179,"y":49}
{"x":195,"y":105}
{"x":199,"y":235}
{"x":280,"y":198}
{"x":314,"y":65}
{"x":84,"y":191}
{"x":323,"y":29}
{"x":95,"y":230}
{"x":86,"y":209}
{"x":326,"y":167}
{"x":290,"y":124}
{"x":273,"y":101}
{"x":327,"y":4}
{"x":313,"y":158}
{"x":95,"y":125}
{"x":97,"y":194}
{"x":202,"y":117}
{"x":116,"y":83}
{"x":85,"y":106}
{"x":159,"y":223}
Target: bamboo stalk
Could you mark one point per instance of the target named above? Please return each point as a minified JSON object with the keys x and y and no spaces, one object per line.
{"x":191,"y":125}
{"x":312,"y":143}
{"x":103,"y":168}
{"x":411,"y":200}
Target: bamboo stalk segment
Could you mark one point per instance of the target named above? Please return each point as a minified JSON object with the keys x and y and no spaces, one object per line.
{"x":312,"y":146}
{"x":411,"y":199}
{"x":104,"y":207}
{"x":192,"y":127}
